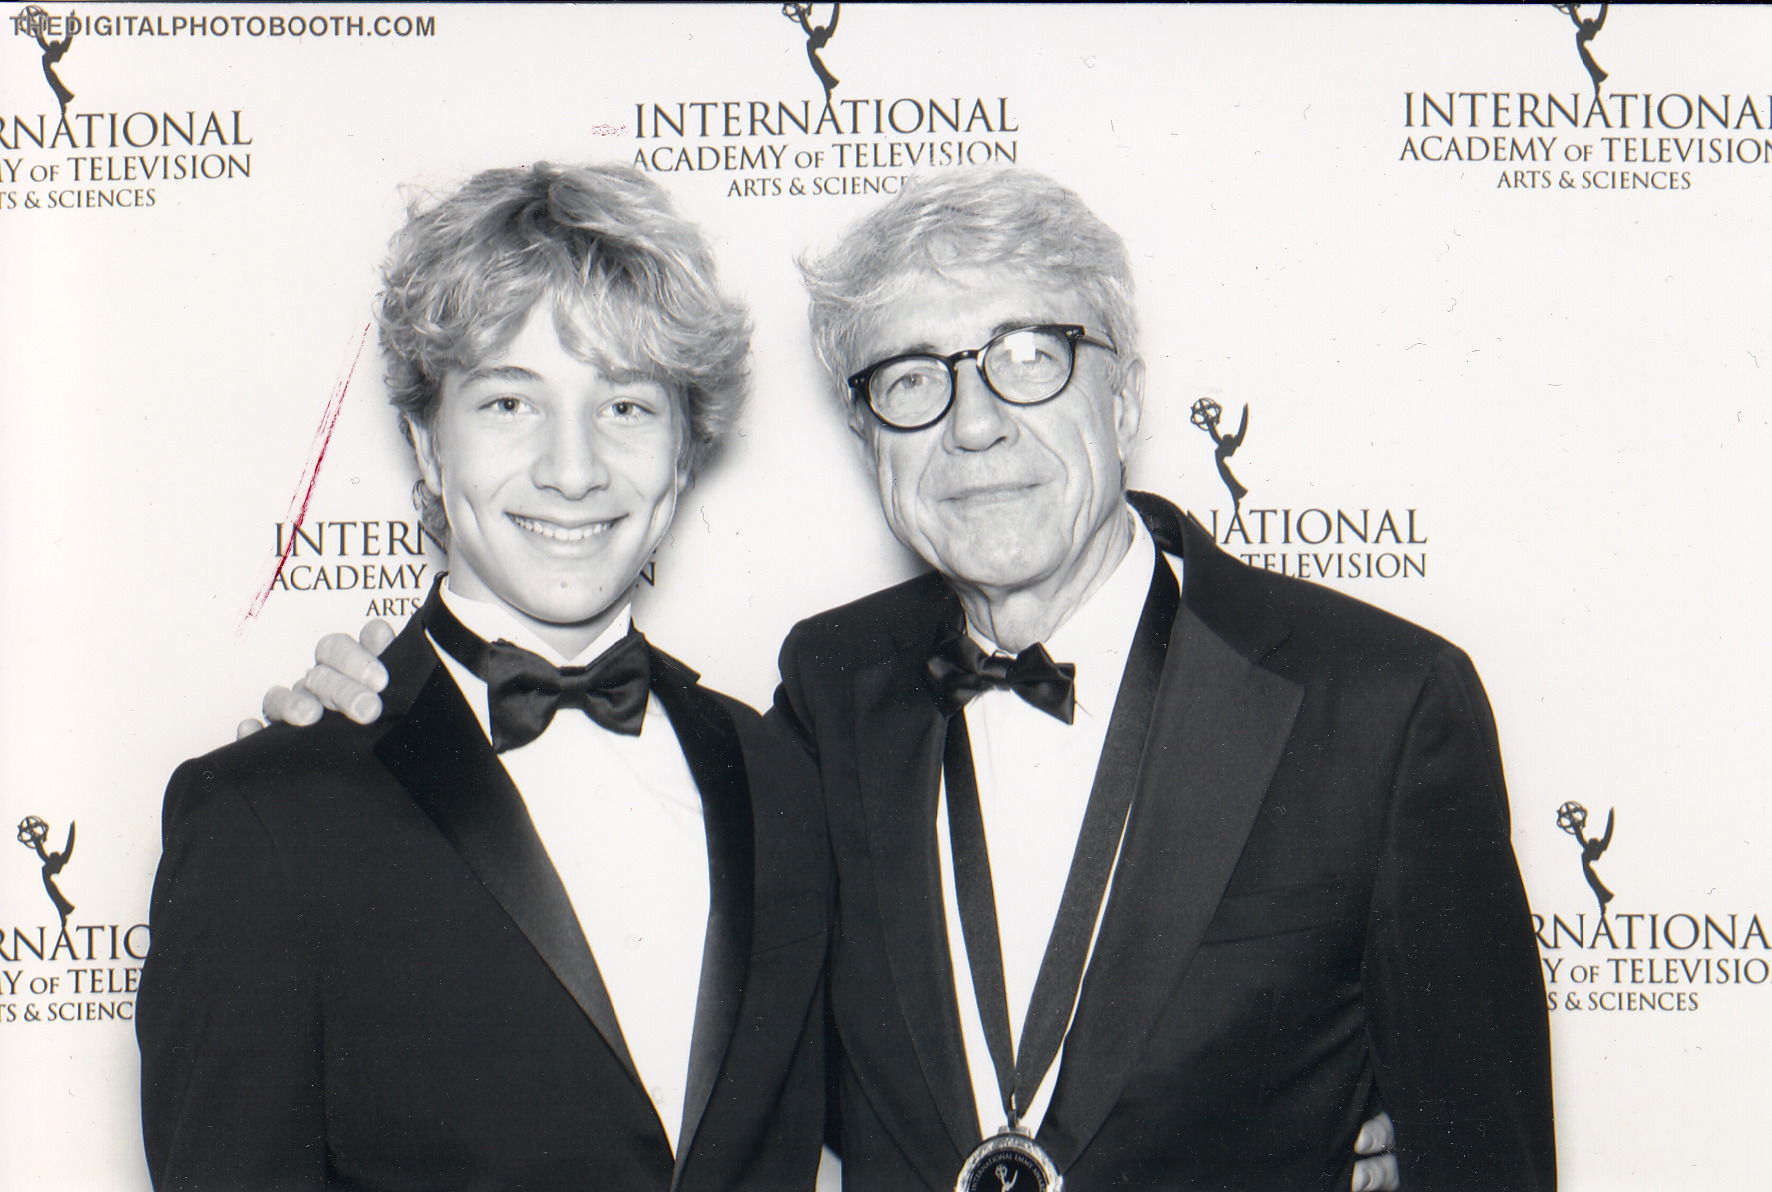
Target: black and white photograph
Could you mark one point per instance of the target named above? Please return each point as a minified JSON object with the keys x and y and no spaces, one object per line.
{"x":876,"y":597}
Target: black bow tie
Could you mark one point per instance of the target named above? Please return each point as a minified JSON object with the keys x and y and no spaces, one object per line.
{"x":960,"y":670}
{"x":524,"y":690}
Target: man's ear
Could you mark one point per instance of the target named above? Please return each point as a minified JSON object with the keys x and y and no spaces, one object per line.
{"x":1129,"y":407}
{"x":424,"y":450}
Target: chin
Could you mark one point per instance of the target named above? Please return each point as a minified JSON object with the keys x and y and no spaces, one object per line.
{"x":999,"y":562}
{"x":570,"y":607}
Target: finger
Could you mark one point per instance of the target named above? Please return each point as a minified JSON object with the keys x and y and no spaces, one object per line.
{"x":246,"y":728}
{"x":291,"y":706}
{"x":343,"y":694}
{"x":377,"y":636}
{"x":1377,"y":1174}
{"x":1376,"y":1136}
{"x":351,"y":661}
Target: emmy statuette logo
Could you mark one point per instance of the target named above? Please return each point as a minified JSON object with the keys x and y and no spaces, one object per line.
{"x":1206,"y":415}
{"x":817,"y":37}
{"x":32,"y":21}
{"x":32,"y":832}
{"x":1572,"y":818}
{"x":1586,"y":29}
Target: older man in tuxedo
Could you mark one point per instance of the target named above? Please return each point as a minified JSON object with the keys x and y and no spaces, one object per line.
{"x":1155,"y":870}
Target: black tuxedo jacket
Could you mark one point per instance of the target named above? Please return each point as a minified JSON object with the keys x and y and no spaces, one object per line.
{"x":366,"y":973}
{"x":1316,"y":910}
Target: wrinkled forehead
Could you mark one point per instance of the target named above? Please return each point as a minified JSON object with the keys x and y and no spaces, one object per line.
{"x":956,"y":308}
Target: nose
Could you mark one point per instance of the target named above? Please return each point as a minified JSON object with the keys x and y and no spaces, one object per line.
{"x":980,"y":419}
{"x":572,"y":462}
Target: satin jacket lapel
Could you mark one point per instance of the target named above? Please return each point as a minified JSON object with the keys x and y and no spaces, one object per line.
{"x":441,"y":756}
{"x":899,"y":734}
{"x":711,"y":746}
{"x":1219,"y":729}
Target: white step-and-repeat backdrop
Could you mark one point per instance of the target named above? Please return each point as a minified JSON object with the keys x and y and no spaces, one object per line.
{"x":1490,"y":287}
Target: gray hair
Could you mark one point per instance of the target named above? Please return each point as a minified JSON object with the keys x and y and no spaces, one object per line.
{"x":999,"y":218}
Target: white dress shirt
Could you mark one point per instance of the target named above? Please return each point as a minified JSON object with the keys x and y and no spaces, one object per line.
{"x":1034,"y":777}
{"x":621,"y":820}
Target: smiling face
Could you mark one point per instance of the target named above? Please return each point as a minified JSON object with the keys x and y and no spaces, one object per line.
{"x":559,"y":477}
{"x":999,"y":497}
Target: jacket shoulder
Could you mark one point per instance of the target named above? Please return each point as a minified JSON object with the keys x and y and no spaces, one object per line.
{"x":299,"y":753}
{"x":280,"y":771}
{"x":283,"y":770}
{"x":1326,"y":619}
{"x":858,"y":634}
{"x":1321,"y":628}
{"x":283,"y":749}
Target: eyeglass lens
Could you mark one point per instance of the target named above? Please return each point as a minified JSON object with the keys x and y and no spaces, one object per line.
{"x":1025,"y":366}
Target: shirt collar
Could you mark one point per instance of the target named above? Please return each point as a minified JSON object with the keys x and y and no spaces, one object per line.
{"x":1097,"y":637}
{"x":493,"y":621}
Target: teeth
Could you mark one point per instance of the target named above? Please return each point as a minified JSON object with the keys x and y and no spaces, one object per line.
{"x":561,"y":533}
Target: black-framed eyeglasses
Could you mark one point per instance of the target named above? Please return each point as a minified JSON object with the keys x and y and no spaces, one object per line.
{"x":1023,"y":366}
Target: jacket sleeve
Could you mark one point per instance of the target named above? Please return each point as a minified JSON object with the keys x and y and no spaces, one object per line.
{"x":792,"y":710}
{"x":791,"y":718}
{"x":228,"y":1017}
{"x":1454,"y":991}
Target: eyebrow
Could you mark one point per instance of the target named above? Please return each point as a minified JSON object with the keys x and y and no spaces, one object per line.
{"x":1017,"y":325}
{"x":516,"y":372}
{"x":627,"y":376}
{"x":501,"y":372}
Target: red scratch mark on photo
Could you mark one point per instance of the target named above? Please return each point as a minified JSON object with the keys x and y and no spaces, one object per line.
{"x":304,"y":491}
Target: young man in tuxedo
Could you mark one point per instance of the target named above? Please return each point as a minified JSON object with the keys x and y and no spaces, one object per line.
{"x":556,"y":920}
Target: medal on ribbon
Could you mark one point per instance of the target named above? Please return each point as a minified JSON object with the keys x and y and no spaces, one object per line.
{"x":1011,"y":1159}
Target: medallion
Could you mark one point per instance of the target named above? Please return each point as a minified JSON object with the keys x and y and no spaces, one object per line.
{"x":1009,"y":1160}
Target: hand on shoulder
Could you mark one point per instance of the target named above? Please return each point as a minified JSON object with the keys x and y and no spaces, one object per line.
{"x":346,"y":676}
